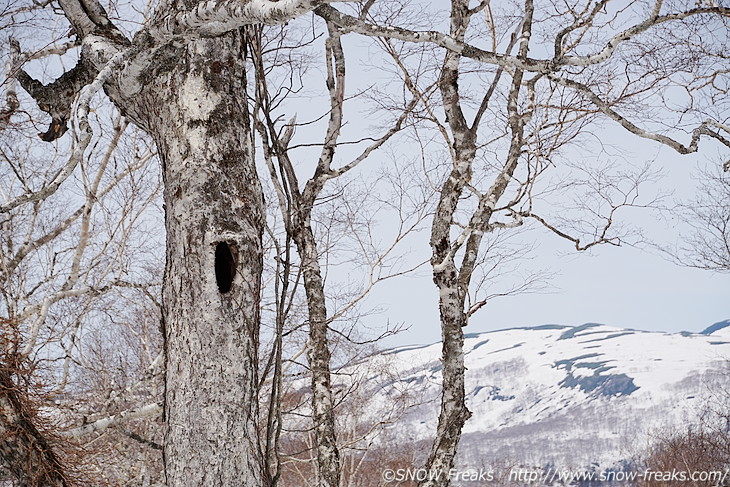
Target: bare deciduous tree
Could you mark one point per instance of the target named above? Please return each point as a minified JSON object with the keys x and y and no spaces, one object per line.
{"x":181,"y":79}
{"x":296,"y":204}
{"x":708,"y":216}
{"x":71,"y":264}
{"x":551,"y":73}
{"x":698,"y":452}
{"x":517,"y":84}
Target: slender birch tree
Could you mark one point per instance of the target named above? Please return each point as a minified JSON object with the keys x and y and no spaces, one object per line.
{"x":296,"y":204}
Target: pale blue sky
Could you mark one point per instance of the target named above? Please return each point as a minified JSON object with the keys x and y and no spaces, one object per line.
{"x":623,"y":286}
{"x":618,"y":286}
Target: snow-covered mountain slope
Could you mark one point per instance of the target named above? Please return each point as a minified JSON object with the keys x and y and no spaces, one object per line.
{"x":565,"y":395}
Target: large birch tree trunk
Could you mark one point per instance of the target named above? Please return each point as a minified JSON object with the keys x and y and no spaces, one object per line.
{"x":182,"y":79}
{"x":193,"y":104}
{"x":214,"y":220}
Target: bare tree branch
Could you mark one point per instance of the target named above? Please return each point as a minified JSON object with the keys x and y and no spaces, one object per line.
{"x":149,"y":410}
{"x":83,"y":134}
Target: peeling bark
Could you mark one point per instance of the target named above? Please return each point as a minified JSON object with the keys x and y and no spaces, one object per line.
{"x":185,"y":89}
{"x":192,"y":106}
{"x":212,"y":195}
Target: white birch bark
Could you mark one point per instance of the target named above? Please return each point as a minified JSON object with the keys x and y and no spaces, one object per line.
{"x":299,"y":226}
{"x":192,"y":106}
{"x":453,"y":279}
{"x":186,"y":92}
{"x":210,"y":296}
{"x":188,"y":95}
{"x":452,"y":290}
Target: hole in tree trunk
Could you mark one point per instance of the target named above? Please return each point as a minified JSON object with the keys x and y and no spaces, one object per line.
{"x":225,"y":266}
